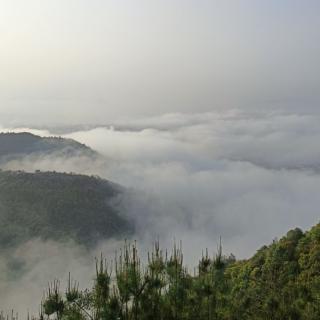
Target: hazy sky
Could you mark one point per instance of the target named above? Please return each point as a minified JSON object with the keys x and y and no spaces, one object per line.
{"x":92,"y":61}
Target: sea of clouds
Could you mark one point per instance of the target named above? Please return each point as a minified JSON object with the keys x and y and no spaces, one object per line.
{"x":247,"y":177}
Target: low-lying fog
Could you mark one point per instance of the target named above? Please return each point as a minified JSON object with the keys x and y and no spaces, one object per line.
{"x":193,"y":177}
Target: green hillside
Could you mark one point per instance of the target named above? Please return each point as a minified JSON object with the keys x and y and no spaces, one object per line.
{"x":58,"y":206}
{"x":13,"y":145}
{"x":280,"y":282}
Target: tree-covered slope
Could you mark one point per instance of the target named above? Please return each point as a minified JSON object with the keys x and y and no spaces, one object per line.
{"x":58,"y":206}
{"x":280,"y":282}
{"x":14,"y":145}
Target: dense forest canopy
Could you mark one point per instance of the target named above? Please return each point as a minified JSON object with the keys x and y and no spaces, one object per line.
{"x":58,"y":206}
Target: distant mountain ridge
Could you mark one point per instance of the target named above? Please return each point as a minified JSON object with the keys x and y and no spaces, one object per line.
{"x":59,"y":206}
{"x":13,"y":145}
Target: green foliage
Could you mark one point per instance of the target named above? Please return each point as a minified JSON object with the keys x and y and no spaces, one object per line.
{"x":15,"y":145}
{"x":58,"y":206}
{"x":53,"y":303}
{"x":281,"y":281}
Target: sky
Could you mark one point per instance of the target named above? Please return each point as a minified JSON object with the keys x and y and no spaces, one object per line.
{"x":80,"y":61}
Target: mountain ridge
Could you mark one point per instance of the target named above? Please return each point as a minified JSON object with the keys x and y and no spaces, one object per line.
{"x":14,"y":145}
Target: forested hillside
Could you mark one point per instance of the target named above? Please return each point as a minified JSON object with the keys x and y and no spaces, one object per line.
{"x":58,"y":206}
{"x":14,"y":145}
{"x":281,"y":281}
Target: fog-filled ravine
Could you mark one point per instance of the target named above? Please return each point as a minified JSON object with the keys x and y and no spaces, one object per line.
{"x":70,"y":193}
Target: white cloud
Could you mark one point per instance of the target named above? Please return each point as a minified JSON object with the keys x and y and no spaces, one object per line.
{"x":248,"y":177}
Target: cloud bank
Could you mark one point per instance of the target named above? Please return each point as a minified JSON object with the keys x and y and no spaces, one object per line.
{"x":247,"y":177}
